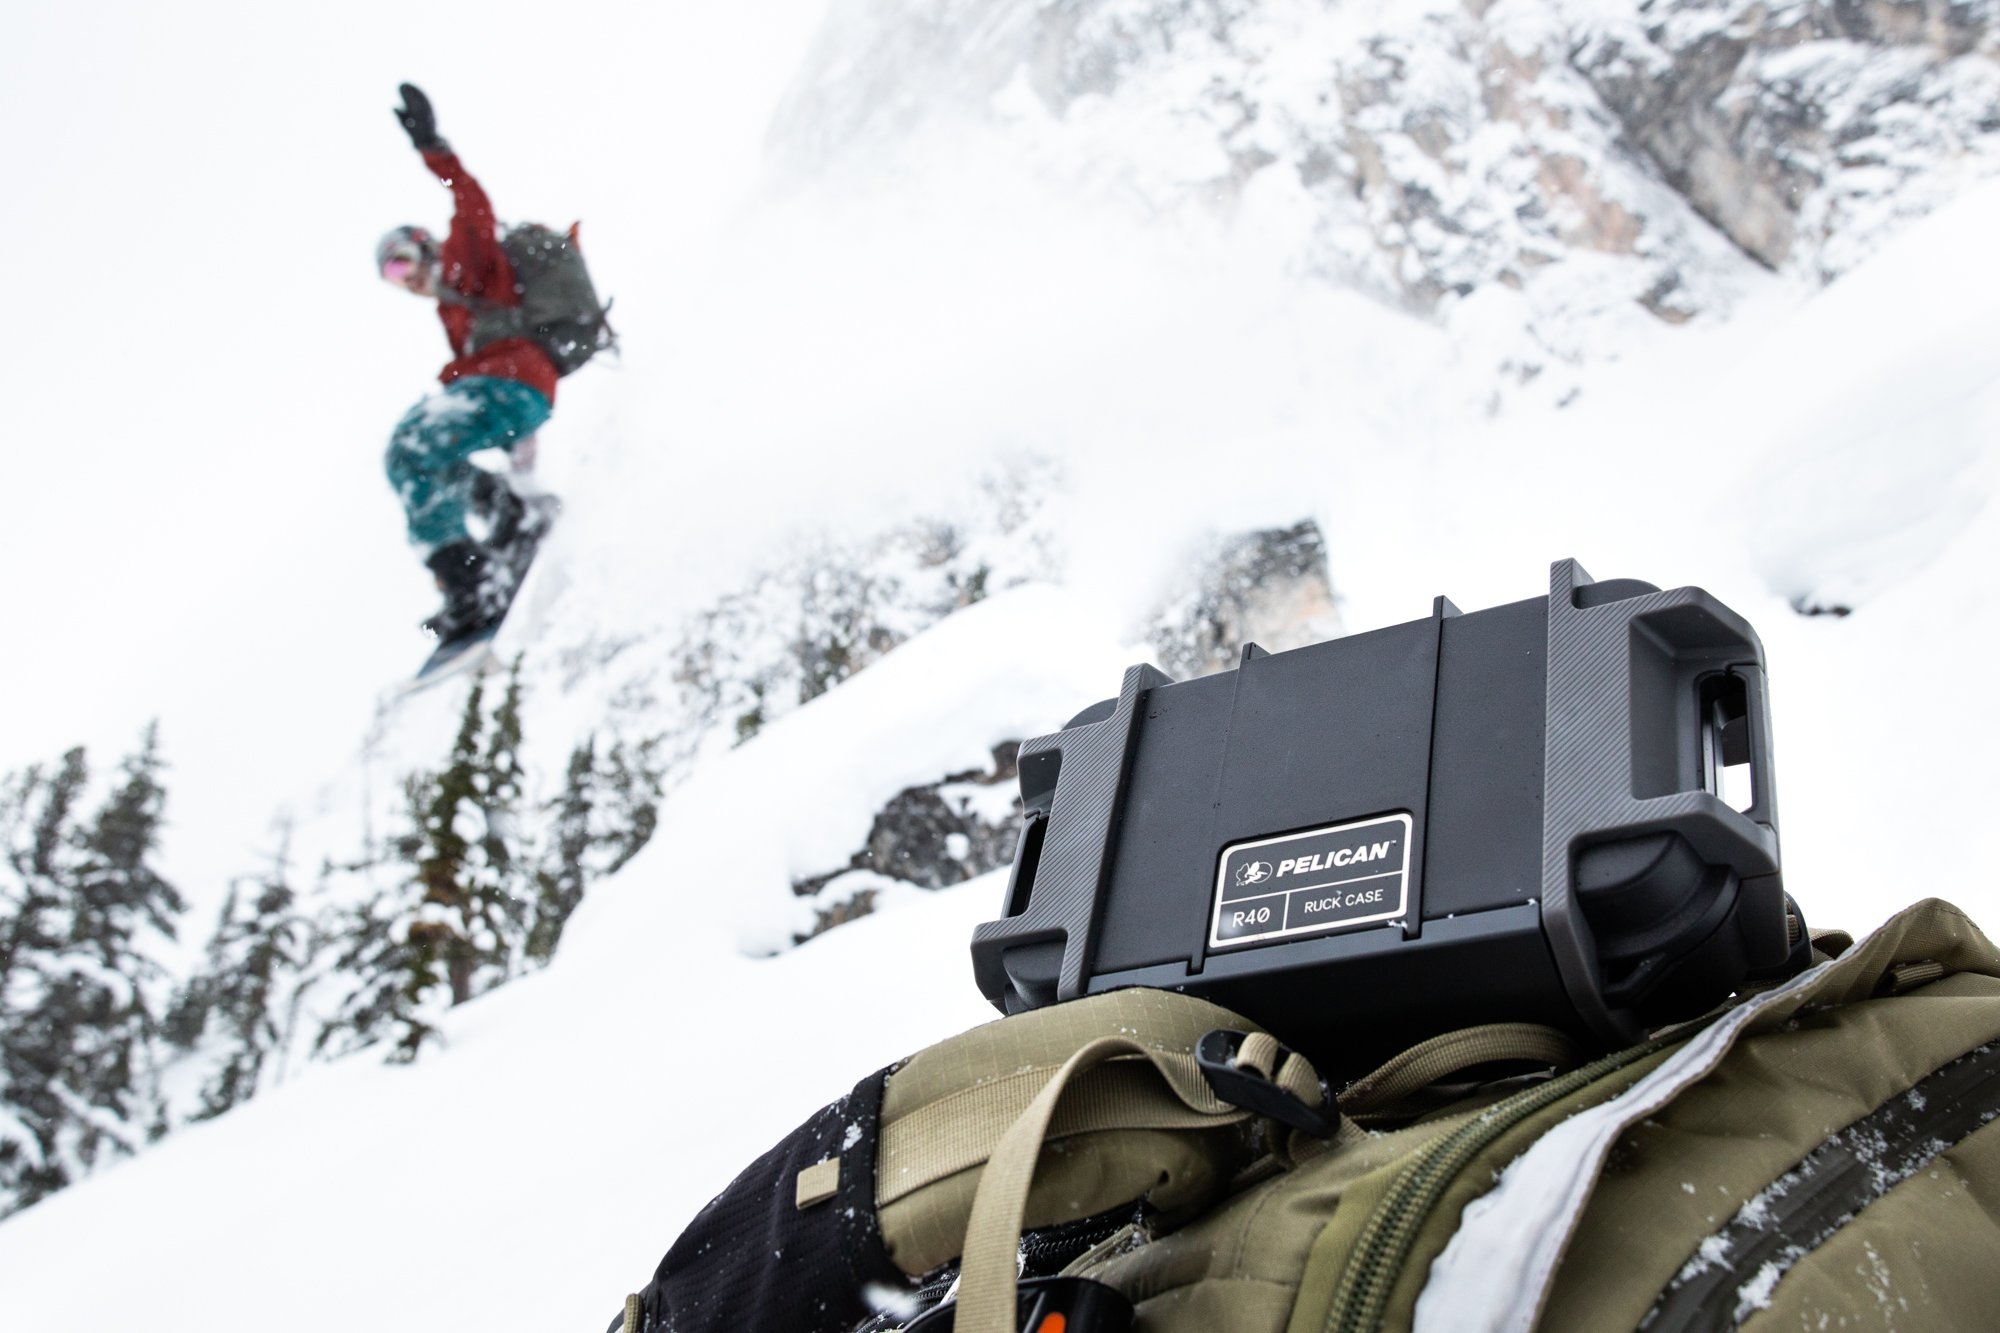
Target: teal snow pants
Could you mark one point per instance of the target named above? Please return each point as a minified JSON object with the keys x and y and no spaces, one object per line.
{"x":429,"y":455}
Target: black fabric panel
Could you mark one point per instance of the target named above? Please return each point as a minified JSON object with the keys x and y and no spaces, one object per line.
{"x":868,"y":1261}
{"x":753,"y":1260}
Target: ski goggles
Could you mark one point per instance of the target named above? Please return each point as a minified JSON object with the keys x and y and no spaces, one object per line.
{"x":398,"y":268}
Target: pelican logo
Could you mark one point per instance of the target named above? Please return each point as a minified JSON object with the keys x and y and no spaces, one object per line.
{"x":1253,"y":872}
{"x":1318,"y":880}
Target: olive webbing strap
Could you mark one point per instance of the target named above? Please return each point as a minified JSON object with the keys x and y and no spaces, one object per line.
{"x":1908,"y":976}
{"x":1257,"y":1053}
{"x":1440,"y":1057}
{"x":989,"y":1270}
{"x":956,"y":1133}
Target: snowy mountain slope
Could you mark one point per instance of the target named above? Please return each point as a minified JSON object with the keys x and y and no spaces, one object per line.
{"x":1906,"y":418}
{"x":576,"y":1112}
{"x":847,"y":355}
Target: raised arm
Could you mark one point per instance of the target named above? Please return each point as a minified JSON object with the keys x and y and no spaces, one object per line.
{"x":474,"y":263}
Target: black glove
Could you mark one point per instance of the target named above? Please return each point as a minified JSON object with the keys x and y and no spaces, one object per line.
{"x":417,"y":119}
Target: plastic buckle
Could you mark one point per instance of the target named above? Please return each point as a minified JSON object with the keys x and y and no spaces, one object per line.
{"x":1216,"y":1052}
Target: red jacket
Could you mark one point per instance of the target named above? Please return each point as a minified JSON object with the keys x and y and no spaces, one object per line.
{"x":474,"y":265}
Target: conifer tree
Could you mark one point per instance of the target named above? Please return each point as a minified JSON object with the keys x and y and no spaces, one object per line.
{"x":440,"y":963}
{"x":367,"y":946}
{"x":231,"y":1011}
{"x":38,"y":824}
{"x":455,"y":924}
{"x":79,"y":990}
{"x":121,"y":901}
{"x":498,"y":896}
{"x":633,"y":791}
{"x":566,"y":873}
{"x":479,"y":894}
{"x":39,"y":846}
{"x":607,"y":811}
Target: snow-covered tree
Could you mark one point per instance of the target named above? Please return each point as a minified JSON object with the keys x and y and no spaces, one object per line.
{"x":80,"y":992}
{"x":499,"y":874}
{"x":454,"y":925}
{"x":560,"y":882}
{"x":235,"y":1013}
{"x":362,"y":952}
{"x":607,"y":811}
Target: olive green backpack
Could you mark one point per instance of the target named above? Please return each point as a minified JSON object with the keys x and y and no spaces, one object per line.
{"x":1816,"y":1155}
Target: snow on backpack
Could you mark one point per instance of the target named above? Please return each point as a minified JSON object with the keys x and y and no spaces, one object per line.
{"x":559,"y":310}
{"x":1819,"y":1154}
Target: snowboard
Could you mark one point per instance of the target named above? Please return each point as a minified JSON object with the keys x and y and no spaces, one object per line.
{"x":469,"y":653}
{"x":517,"y":525}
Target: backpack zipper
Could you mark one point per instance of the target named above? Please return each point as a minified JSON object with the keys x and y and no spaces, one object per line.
{"x":1391,"y":1231}
{"x":1731,"y":1273}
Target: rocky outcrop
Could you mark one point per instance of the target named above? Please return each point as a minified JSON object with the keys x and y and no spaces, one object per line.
{"x":1270,"y":587}
{"x":817,"y":614}
{"x":1599,"y":163}
{"x":1801,"y":131}
{"x":931,"y":837}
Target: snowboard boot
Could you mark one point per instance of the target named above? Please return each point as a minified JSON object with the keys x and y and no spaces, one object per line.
{"x":514,"y":543}
{"x":465,"y":573}
{"x":496,"y":502}
{"x":515,"y":523}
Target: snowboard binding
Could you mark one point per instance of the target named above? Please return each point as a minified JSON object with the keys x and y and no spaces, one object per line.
{"x":480,"y":578}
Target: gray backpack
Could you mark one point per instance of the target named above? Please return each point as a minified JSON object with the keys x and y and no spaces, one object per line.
{"x":559,"y":310}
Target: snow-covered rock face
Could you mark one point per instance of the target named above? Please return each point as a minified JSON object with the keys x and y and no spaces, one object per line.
{"x":1803,"y":130}
{"x":816,"y":613}
{"x":1600,"y":159}
{"x":1270,"y":587}
{"x":933,"y":836}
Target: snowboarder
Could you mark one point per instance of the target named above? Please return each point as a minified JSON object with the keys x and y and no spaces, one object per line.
{"x":519,"y":313}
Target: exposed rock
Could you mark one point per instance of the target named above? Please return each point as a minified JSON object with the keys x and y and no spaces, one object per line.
{"x":930,"y":837}
{"x":847,"y":896}
{"x":1806,"y":607}
{"x":1270,"y":588}
{"x":1788,"y":125}
{"x":943,"y":833}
